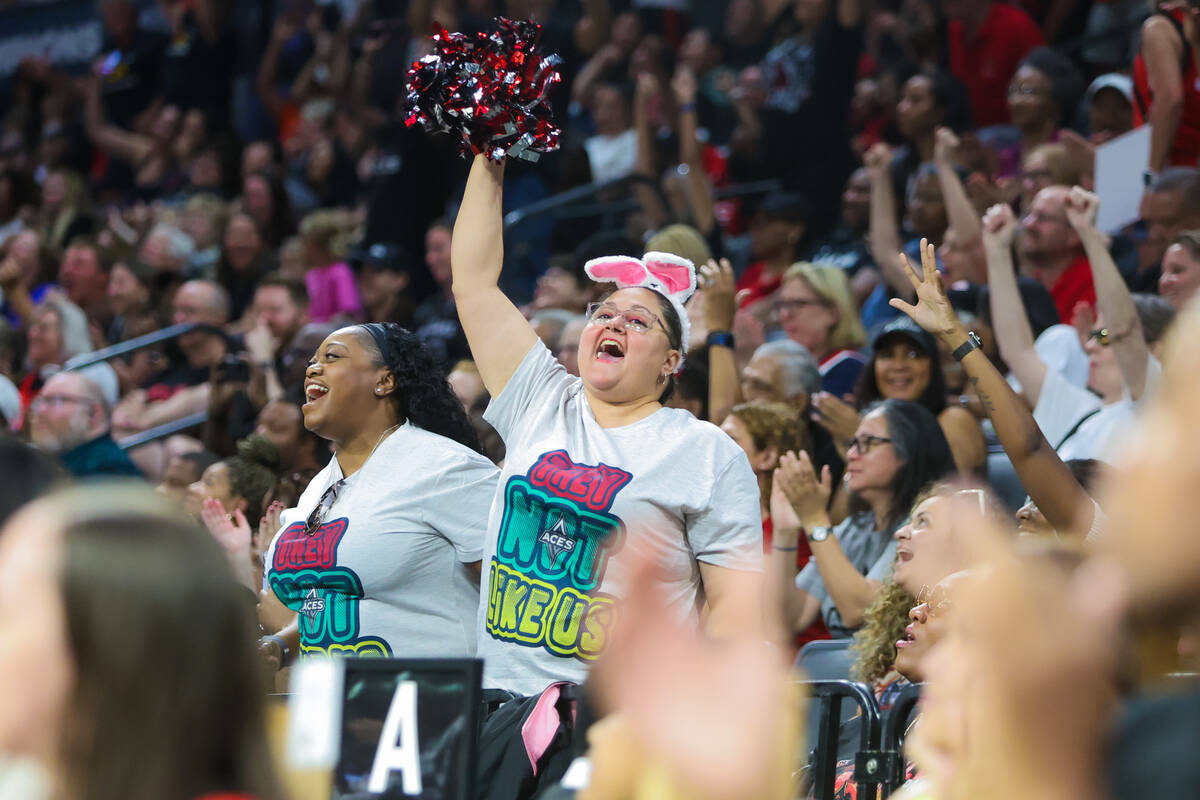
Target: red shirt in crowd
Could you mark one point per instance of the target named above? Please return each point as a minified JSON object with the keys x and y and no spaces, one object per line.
{"x":1074,"y":286}
{"x":987,"y":61}
{"x":1185,"y":149}
{"x":758,"y":283}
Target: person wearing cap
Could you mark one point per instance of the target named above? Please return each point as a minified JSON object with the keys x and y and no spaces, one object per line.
{"x":775,"y":236}
{"x":72,"y":419}
{"x":1166,"y":94}
{"x":384,"y":275}
{"x":906,"y":365}
{"x":1110,"y":107}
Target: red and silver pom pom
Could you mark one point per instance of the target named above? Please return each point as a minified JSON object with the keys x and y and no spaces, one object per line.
{"x":488,"y":91}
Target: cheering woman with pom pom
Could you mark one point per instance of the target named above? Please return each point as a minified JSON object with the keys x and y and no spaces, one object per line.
{"x":596,"y":466}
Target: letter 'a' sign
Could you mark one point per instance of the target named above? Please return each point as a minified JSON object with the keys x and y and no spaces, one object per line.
{"x":409,"y":729}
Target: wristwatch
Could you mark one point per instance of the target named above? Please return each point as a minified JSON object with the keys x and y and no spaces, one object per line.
{"x":820,"y":533}
{"x":973,"y":342}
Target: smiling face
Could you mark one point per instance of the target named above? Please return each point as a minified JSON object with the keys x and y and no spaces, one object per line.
{"x":621,"y":365}
{"x":925,"y":550}
{"x":1180,"y":276}
{"x":875,"y":470}
{"x":1030,"y":98}
{"x":805,"y":316}
{"x":214,"y":483}
{"x":340,"y":386}
{"x":902,"y":370}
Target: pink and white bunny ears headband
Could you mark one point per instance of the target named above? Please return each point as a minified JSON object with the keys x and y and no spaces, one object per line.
{"x":671,"y":276}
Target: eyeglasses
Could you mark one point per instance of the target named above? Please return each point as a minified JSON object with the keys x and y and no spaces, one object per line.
{"x":1025,"y":90}
{"x":58,"y":400}
{"x":317,"y":517}
{"x":864,"y":443}
{"x":795,"y":305}
{"x":636,"y":318}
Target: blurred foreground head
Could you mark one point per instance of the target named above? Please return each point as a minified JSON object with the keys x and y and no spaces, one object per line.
{"x":126,"y":662}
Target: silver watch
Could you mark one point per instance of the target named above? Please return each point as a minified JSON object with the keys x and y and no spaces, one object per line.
{"x":820,"y":533}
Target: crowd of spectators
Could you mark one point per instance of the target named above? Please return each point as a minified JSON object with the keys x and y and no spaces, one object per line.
{"x":245,"y":169}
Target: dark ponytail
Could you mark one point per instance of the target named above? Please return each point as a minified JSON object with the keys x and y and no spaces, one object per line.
{"x":422,"y":395}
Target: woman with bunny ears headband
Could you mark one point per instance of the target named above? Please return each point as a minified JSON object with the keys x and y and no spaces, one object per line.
{"x":596,"y":465}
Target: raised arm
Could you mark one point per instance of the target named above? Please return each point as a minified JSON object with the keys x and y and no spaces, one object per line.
{"x":118,"y":143}
{"x":884,"y":233}
{"x":1047,"y":479}
{"x":647,"y":87}
{"x":497,"y":332}
{"x":1161,"y":50}
{"x":720,"y":306}
{"x":1014,"y":336}
{"x":1113,"y":300}
{"x":699,"y":193}
{"x":964,"y":221}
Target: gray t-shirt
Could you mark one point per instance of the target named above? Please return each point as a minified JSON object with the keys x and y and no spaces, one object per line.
{"x":871,"y":552}
{"x":572,"y":496}
{"x":384,"y":575}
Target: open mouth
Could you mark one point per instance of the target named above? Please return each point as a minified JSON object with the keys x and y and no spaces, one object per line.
{"x":903,"y":555}
{"x":908,"y":639}
{"x":314,"y":392}
{"x":900,"y":384}
{"x":609,"y":349}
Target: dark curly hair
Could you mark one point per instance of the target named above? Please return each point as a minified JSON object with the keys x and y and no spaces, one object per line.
{"x":252,"y":473}
{"x":422,"y":394}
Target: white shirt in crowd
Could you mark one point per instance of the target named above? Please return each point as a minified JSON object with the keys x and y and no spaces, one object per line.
{"x":1078,"y":424}
{"x":611,"y":157}
{"x":574,"y":500}
{"x":384,"y":574}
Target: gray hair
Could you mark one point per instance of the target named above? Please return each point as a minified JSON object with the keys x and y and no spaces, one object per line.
{"x":72,"y":327}
{"x":1155,"y":314}
{"x":797,"y":366}
{"x":179,"y":245}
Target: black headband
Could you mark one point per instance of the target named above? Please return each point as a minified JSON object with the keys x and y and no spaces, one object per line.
{"x":378,"y":332}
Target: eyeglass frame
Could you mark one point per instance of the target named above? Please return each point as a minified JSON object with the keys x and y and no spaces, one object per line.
{"x":316,"y":517}
{"x":61,"y":399}
{"x":871,"y":439}
{"x":795,"y":304}
{"x":626,"y":325}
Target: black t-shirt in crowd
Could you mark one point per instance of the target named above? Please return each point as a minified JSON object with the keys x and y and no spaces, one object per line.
{"x":131,"y":76}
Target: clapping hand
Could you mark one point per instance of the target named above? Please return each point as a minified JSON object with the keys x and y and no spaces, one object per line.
{"x":933,"y":311}
{"x":797,"y":477}
{"x":232,"y":532}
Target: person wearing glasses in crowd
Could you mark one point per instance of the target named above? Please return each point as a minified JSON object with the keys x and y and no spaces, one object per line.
{"x":590,"y":458}
{"x":381,"y":555}
{"x":816,"y":308}
{"x":898,"y":449}
{"x":71,"y":419}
